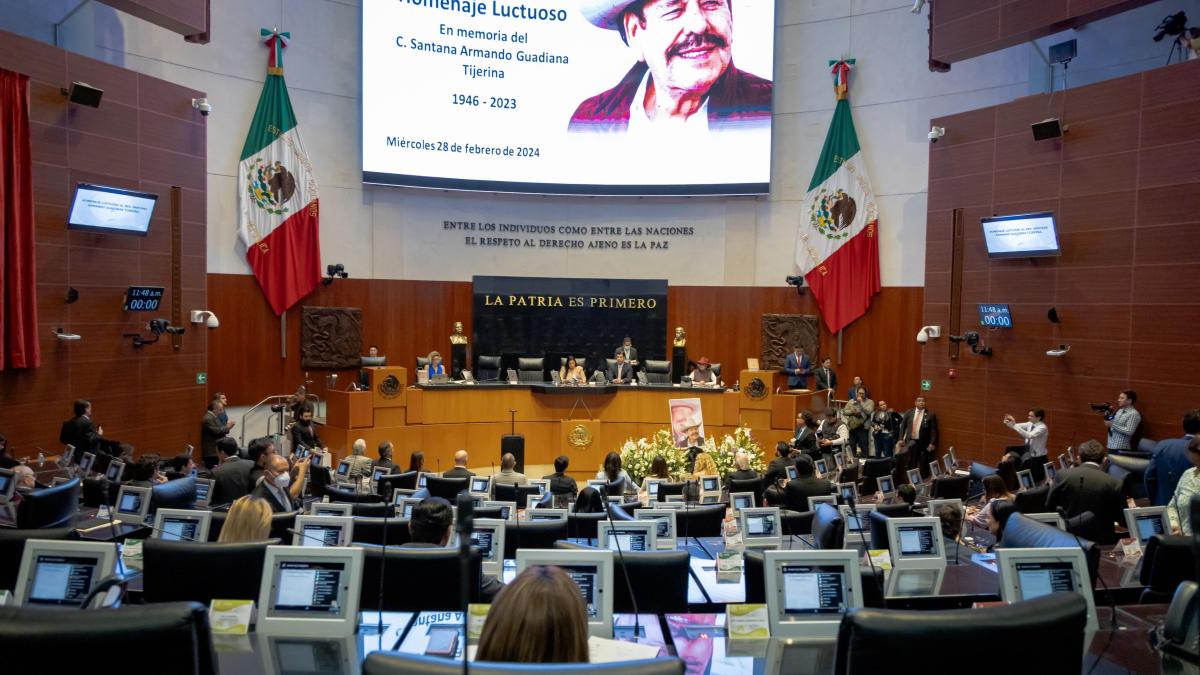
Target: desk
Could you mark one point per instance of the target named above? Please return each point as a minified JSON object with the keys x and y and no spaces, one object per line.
{"x":256,"y":653}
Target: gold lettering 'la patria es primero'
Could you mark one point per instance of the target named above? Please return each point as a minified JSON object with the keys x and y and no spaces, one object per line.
{"x":569,"y":301}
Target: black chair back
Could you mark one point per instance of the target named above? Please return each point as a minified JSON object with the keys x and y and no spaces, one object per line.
{"x":421,"y":579}
{"x":756,"y":582}
{"x":371,"y":531}
{"x":1023,"y":532}
{"x":535,"y":534}
{"x":1036,"y":467}
{"x":872,"y":641}
{"x":878,"y":522}
{"x":850,"y":473}
{"x":422,"y":362}
{"x":657,"y":372}
{"x":754,"y":485}
{"x":199,"y":572}
{"x":337,"y":494}
{"x":446,"y":488}
{"x":796,"y":522}
{"x":319,"y":478}
{"x":173,"y":494}
{"x":50,"y":507}
{"x":899,"y":510}
{"x":615,"y":488}
{"x":583,"y":525}
{"x":395,"y":663}
{"x":529,"y":369}
{"x":487,"y":368}
{"x":396,"y":481}
{"x":950,"y":487}
{"x":376,"y":510}
{"x":1033,"y":501}
{"x":496,"y":512}
{"x":1001,"y":512}
{"x":872,"y":470}
{"x":281,"y":523}
{"x":174,"y":637}
{"x":668,"y":489}
{"x":1168,"y":561}
{"x":827,"y":528}
{"x":659,"y":580}
{"x":12,"y":547}
{"x":700,"y":521}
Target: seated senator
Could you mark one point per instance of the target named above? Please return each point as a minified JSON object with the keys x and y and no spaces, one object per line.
{"x":703,"y":374}
{"x":560,"y":482}
{"x":435,"y":365}
{"x":620,"y":372}
{"x":429,"y":527}
{"x":572,"y":372}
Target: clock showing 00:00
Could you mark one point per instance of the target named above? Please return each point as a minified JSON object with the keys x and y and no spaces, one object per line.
{"x":143,"y":298}
{"x":995,"y":316}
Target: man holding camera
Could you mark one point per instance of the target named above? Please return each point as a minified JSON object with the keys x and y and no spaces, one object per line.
{"x":1123,"y":422}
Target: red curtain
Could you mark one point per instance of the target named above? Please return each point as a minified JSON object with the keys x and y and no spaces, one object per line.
{"x":18,"y":292}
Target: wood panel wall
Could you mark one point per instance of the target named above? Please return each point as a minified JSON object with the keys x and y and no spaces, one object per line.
{"x":963,"y":29}
{"x":144,"y":136}
{"x":411,"y":318}
{"x":1125,"y":186}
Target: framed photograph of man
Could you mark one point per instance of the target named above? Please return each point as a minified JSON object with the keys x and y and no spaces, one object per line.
{"x":687,"y":422}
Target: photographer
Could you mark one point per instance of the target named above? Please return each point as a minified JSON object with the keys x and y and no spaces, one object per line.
{"x":1123,"y":423}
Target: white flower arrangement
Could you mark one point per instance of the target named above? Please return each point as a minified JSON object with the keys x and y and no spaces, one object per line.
{"x":637,"y":455}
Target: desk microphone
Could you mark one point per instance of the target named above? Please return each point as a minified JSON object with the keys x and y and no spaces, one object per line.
{"x":298,"y":533}
{"x":637,"y":627}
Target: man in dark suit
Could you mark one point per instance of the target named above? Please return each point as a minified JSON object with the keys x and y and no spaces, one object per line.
{"x":797,"y":492}
{"x":1088,"y":487}
{"x":273,"y":487}
{"x":777,"y":469}
{"x":797,"y":367}
{"x":211,"y":431}
{"x":919,"y":436}
{"x":304,"y":430}
{"x":231,"y":478}
{"x":620,"y":372}
{"x":805,"y":439}
{"x":826,"y":378}
{"x":460,"y":467}
{"x":79,"y":431}
{"x":1169,"y":461}
{"x":560,"y":482}
{"x":429,"y":527}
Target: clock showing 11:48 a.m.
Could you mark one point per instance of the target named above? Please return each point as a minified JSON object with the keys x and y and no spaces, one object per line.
{"x":994,"y":316}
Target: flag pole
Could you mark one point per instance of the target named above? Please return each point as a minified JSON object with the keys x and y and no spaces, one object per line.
{"x":840,"y":331}
{"x":283,"y":336}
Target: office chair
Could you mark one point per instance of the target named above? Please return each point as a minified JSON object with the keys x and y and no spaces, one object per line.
{"x":659,"y":580}
{"x":370,"y":531}
{"x":700,"y":521}
{"x":12,"y":546}
{"x":850,"y":473}
{"x":320,"y":478}
{"x":872,"y":470}
{"x":583,"y":525}
{"x":1033,"y":501}
{"x":173,"y":494}
{"x":337,"y":494}
{"x":507,"y":492}
{"x":827,"y":528}
{"x":422,"y":363}
{"x":167,"y":637}
{"x":878,"y":522}
{"x":394,"y":663}
{"x":669,"y":489}
{"x":876,"y":640}
{"x":176,"y":571}
{"x":446,"y":488}
{"x":899,"y":510}
{"x":494,"y":512}
{"x":1001,"y":512}
{"x":950,"y":487}
{"x":532,"y":534}
{"x":1023,"y":532}
{"x":50,"y":507}
{"x":529,"y":369}
{"x":419,"y":579}
{"x":487,"y":368}
{"x":657,"y":372}
{"x":369,"y":510}
{"x":754,"y":485}
{"x":1036,"y":467}
{"x":395,"y":481}
{"x":796,"y":522}
{"x":1167,"y":562}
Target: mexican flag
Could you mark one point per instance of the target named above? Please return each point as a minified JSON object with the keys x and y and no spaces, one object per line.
{"x":837,"y":247}
{"x":277,"y":194}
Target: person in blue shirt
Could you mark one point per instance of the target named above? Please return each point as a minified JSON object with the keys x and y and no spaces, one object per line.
{"x":435,"y":364}
{"x":1170,"y":460}
{"x":797,"y":367}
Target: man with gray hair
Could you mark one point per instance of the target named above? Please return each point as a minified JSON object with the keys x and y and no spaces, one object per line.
{"x":741,"y":465}
{"x":360,"y":464}
{"x":508,"y":473}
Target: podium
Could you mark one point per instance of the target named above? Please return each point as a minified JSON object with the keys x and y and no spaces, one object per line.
{"x":388,"y":386}
{"x":349,"y":409}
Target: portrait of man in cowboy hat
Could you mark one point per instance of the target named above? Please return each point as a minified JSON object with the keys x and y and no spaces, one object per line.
{"x":684,"y":78}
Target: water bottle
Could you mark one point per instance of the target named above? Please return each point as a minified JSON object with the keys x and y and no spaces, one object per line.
{"x":41,"y":459}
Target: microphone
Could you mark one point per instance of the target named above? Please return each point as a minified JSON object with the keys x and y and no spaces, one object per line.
{"x":298,"y":533}
{"x":466,"y":520}
{"x":637,"y":628}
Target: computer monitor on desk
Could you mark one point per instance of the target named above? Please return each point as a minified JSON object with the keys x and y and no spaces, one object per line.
{"x":115,"y":469}
{"x":1028,"y":573}
{"x":203,"y":493}
{"x":487,"y":534}
{"x":405,"y":505}
{"x":636,"y":536}
{"x":761,"y":527}
{"x":546,"y":514}
{"x":808,"y":592}
{"x":916,"y":543}
{"x":1146,"y":521}
{"x":481,"y":485}
{"x":133,"y":503}
{"x":331,"y":509}
{"x":665,"y":519}
{"x":310,"y":591}
{"x":322,"y":531}
{"x":181,"y":525}
{"x":856,"y":523}
{"x":61,"y":573}
{"x":910,"y":583}
{"x":592,"y":572}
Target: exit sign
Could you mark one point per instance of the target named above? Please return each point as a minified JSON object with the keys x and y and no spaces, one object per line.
{"x":926,"y":385}
{"x":202,"y":377}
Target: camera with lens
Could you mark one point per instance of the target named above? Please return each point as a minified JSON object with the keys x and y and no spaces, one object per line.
{"x":1172,"y":25}
{"x":160,"y":326}
{"x":277,"y":408}
{"x":1105,"y":409}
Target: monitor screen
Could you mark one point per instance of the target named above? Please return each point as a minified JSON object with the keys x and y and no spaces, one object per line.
{"x":855,"y":521}
{"x":652,"y":488}
{"x":886,"y":485}
{"x":407,"y":509}
{"x":710,"y":484}
{"x":813,"y":589}
{"x":542,"y":514}
{"x":114,"y":471}
{"x":916,"y":540}
{"x":1149,"y":525}
{"x":586,"y":577}
{"x":505,"y":511}
{"x":1026,"y":478}
{"x":911,"y":583}
{"x":202,"y":489}
{"x":482,"y":539}
{"x":180,"y":529}
{"x":300,"y":657}
{"x":131,"y":502}
{"x":1051,"y":472}
{"x":1026,"y":235}
{"x":1044,"y":577}
{"x":62,"y":579}
{"x":821,"y":467}
{"x":86,"y":463}
{"x":421,"y":480}
{"x":309,"y":587}
{"x":343,"y":468}
{"x":760,"y":525}
{"x":743,"y":501}
{"x":664,"y":526}
{"x":109,"y":209}
{"x":847,"y":491}
{"x":628,"y":540}
{"x":791,"y":473}
{"x":914,"y":476}
{"x":320,"y":534}
{"x":378,"y":473}
{"x":479,"y":484}
{"x":538,"y":97}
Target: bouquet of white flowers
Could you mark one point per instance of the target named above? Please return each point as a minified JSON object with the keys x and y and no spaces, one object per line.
{"x":724,"y":453}
{"x":636,"y":456}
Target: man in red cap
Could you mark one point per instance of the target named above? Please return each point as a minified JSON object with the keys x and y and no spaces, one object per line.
{"x":703,"y":375}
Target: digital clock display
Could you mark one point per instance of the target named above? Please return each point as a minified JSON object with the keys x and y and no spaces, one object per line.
{"x":143,"y":298}
{"x":995,"y":316}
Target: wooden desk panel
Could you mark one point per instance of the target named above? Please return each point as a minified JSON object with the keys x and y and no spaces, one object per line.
{"x":349,"y":409}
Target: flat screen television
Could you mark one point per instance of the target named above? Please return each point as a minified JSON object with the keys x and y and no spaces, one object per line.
{"x":107,"y":209}
{"x":1027,"y":235}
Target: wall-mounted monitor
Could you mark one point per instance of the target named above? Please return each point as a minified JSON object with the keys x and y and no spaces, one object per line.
{"x":1027,"y":235}
{"x":559,"y":98}
{"x":992,"y":315}
{"x":108,"y":209}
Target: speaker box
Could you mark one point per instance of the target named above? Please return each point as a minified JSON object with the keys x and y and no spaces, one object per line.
{"x":1047,"y":129}
{"x":516,"y":445}
{"x":83,"y":93}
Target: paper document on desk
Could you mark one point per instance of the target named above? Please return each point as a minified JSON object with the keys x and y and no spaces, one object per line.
{"x":986,"y":561}
{"x":604,"y":650}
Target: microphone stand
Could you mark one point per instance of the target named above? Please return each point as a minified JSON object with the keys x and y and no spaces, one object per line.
{"x":637,"y":626}
{"x":466,"y":521}
{"x":866,"y":547}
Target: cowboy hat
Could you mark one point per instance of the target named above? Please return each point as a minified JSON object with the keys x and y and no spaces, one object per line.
{"x":604,"y":13}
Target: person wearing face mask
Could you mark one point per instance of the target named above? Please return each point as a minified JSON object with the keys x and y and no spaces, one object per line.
{"x":304,"y":431}
{"x":275,"y":484}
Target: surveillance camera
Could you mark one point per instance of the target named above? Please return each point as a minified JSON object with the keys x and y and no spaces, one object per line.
{"x":928,"y":332}
{"x":206,"y":317}
{"x":935,"y":133}
{"x":202,"y":105}
{"x":918,"y":5}
{"x":922,"y":337}
{"x":1061,"y":351}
